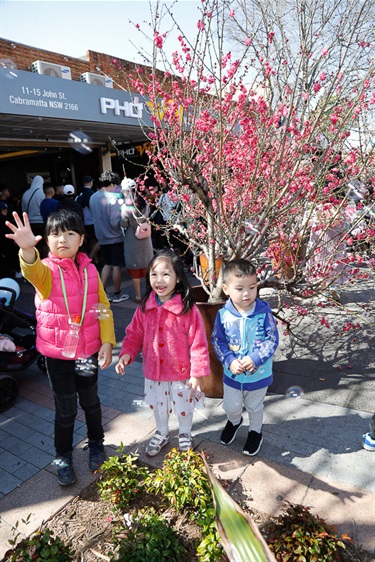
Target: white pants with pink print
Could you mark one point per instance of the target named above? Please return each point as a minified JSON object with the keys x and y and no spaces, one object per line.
{"x":166,"y":397}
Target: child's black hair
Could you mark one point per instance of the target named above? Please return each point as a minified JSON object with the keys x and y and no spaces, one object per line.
{"x":238,"y":268}
{"x":183,"y":287}
{"x":64,"y":220}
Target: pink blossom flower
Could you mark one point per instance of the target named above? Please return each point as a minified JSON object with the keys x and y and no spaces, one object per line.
{"x":324,"y":51}
{"x":247,"y":41}
{"x":324,"y":322}
{"x":317,"y":87}
{"x":334,"y":118}
{"x":322,"y":76}
{"x":158,"y":40}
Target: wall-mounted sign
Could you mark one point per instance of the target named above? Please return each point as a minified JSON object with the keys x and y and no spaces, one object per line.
{"x":28,"y":93}
{"x":133,"y":151}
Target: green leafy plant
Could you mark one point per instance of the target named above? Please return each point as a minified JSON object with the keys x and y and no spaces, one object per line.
{"x":150,"y":538}
{"x":210,"y":549}
{"x":299,"y":536}
{"x":183,"y":482}
{"x":42,"y":545}
{"x":122,"y":478}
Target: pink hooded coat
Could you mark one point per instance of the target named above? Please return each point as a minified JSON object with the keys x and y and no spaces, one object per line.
{"x":174,"y":345}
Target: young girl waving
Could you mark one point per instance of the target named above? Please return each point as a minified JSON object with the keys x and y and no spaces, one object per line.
{"x":68,"y":290}
{"x":169,"y":329}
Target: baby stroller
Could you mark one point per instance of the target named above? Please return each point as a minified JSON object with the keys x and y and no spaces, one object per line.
{"x":17,"y":342}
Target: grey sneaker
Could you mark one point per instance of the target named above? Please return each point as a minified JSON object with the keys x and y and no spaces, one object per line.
{"x":156,"y":444}
{"x":65,"y":473}
{"x":184,"y":442}
{"x":118,"y":297}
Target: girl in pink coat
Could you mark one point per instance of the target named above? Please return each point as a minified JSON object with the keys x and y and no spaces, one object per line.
{"x":169,"y":330}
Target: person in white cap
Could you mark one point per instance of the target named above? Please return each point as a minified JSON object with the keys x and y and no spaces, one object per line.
{"x":68,"y":201}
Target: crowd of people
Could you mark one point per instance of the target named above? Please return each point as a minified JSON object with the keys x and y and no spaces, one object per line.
{"x":112,"y":214}
{"x":167,"y":325}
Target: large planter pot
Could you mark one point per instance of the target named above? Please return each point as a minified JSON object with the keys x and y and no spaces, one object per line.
{"x":203,"y":261}
{"x":212,"y":385}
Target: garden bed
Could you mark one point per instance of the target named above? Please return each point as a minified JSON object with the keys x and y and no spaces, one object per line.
{"x":110,"y":507}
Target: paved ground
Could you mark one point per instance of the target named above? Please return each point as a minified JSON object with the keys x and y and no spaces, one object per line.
{"x":311,"y":454}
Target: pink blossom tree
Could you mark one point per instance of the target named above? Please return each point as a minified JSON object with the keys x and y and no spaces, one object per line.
{"x":257,"y":159}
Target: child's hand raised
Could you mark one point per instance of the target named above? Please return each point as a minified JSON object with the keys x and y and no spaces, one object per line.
{"x":122,"y":363}
{"x":22,"y":234}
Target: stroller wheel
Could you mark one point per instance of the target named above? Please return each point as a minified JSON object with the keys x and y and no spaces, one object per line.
{"x":8,"y":392}
{"x":41,"y":362}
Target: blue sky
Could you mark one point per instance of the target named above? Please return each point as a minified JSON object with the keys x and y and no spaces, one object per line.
{"x":72,"y":27}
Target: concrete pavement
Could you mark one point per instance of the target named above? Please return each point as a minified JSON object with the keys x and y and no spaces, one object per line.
{"x":311,"y":453}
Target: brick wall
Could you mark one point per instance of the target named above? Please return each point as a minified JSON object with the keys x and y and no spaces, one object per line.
{"x":23,"y":56}
{"x":120,"y":70}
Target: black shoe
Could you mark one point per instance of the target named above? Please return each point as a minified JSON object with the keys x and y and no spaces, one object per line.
{"x":65,"y":473}
{"x":229,"y":432}
{"x":253,"y":443}
{"x":96,"y":457}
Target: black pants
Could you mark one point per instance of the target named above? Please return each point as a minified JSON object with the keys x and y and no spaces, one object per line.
{"x":67,"y":383}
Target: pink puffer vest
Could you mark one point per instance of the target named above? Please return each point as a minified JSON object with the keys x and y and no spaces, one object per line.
{"x":51,"y":314}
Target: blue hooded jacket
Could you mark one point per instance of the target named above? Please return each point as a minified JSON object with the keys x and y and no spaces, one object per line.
{"x":235,"y":336}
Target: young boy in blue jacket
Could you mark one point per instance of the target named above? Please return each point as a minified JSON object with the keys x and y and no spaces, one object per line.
{"x":244,"y":338}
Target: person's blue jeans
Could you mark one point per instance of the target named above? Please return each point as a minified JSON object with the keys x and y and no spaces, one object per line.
{"x":67,"y":384}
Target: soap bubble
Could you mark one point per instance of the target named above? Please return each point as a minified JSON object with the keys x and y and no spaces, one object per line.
{"x":7,"y":68}
{"x":139,"y":404}
{"x":79,"y":142}
{"x":100,"y":310}
{"x":85,"y":367}
{"x":294,"y":392}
